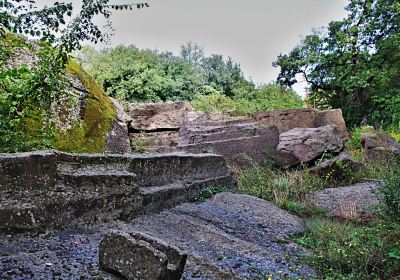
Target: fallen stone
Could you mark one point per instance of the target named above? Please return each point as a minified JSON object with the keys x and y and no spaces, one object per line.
{"x":353,"y":201}
{"x":379,"y":146}
{"x":338,"y":167}
{"x":135,"y":255}
{"x":303,"y":145}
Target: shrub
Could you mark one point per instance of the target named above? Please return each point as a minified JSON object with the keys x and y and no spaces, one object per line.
{"x":391,"y":193}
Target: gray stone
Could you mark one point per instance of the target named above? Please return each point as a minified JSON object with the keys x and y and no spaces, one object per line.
{"x":379,"y":146}
{"x":136,"y":255}
{"x":303,"y":145}
{"x":231,"y":236}
{"x":117,"y":140}
{"x":353,"y":201}
{"x":46,"y":189}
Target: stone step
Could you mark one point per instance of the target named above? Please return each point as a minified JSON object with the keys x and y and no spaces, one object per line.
{"x":64,"y":206}
{"x":111,"y":179}
{"x":199,"y":137}
{"x":235,"y":151}
{"x":159,"y":197}
{"x":91,"y":163}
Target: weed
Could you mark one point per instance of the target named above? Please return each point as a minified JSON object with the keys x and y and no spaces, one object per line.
{"x":207,"y":193}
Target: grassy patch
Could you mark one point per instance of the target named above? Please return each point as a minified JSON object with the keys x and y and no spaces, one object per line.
{"x":352,"y":251}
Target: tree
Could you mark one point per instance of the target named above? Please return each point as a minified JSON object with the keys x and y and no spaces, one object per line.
{"x":343,"y":64}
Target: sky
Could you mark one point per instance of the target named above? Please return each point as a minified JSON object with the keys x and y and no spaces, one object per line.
{"x":252,"y":32}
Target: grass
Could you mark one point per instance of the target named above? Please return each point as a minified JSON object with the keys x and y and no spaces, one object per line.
{"x":348,"y":247}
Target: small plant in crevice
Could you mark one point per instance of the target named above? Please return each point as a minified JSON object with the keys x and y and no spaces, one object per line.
{"x":207,"y":193}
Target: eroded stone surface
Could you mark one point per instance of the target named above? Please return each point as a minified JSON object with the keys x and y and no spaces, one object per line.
{"x":231,"y":236}
{"x":45,"y":189}
{"x":135,"y":255}
{"x":303,"y":145}
{"x":351,"y":201}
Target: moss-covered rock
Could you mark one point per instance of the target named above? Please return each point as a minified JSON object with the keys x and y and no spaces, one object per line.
{"x":97,"y":115}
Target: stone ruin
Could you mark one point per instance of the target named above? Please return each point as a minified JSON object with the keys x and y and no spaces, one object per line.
{"x":42,"y":189}
{"x":167,"y":127}
{"x":121,"y":212}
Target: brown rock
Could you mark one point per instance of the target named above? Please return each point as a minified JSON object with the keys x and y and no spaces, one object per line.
{"x":136,"y":255}
{"x":303,"y":145}
{"x":158,"y":116}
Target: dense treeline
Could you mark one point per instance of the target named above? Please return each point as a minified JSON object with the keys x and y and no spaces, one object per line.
{"x":353,"y":64}
{"x":135,"y":75}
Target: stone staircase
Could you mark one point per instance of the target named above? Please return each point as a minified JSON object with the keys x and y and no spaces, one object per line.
{"x":42,"y":189}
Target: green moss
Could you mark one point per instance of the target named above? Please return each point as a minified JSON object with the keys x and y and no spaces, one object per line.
{"x":98,"y":115}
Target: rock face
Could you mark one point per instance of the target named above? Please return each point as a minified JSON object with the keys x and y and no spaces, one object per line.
{"x":303,"y":145}
{"x":138,"y":256}
{"x":231,"y":236}
{"x":117,"y":141}
{"x":43,"y":189}
{"x":379,"y":146}
{"x":157,"y":116}
{"x":286,"y":120}
{"x":349,"y":202}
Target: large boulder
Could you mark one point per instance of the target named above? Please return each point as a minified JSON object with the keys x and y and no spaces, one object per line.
{"x":379,"y":146}
{"x":303,"y":145}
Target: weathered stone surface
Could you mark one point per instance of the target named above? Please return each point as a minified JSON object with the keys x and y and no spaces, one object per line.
{"x":40,"y":190}
{"x":286,"y":120}
{"x":27,"y":171}
{"x":231,"y":236}
{"x":338,"y":167}
{"x":235,"y":151}
{"x":117,"y":141}
{"x":379,"y":146}
{"x":158,"y":116}
{"x":135,"y":255}
{"x":303,"y":145}
{"x":349,"y":202}
{"x":331,"y":117}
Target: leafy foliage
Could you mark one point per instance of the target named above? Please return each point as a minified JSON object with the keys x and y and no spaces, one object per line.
{"x":266,"y":97}
{"x":29,"y":89}
{"x":353,"y":64}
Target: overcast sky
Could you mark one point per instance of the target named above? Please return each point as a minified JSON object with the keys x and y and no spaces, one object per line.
{"x":252,"y":32}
